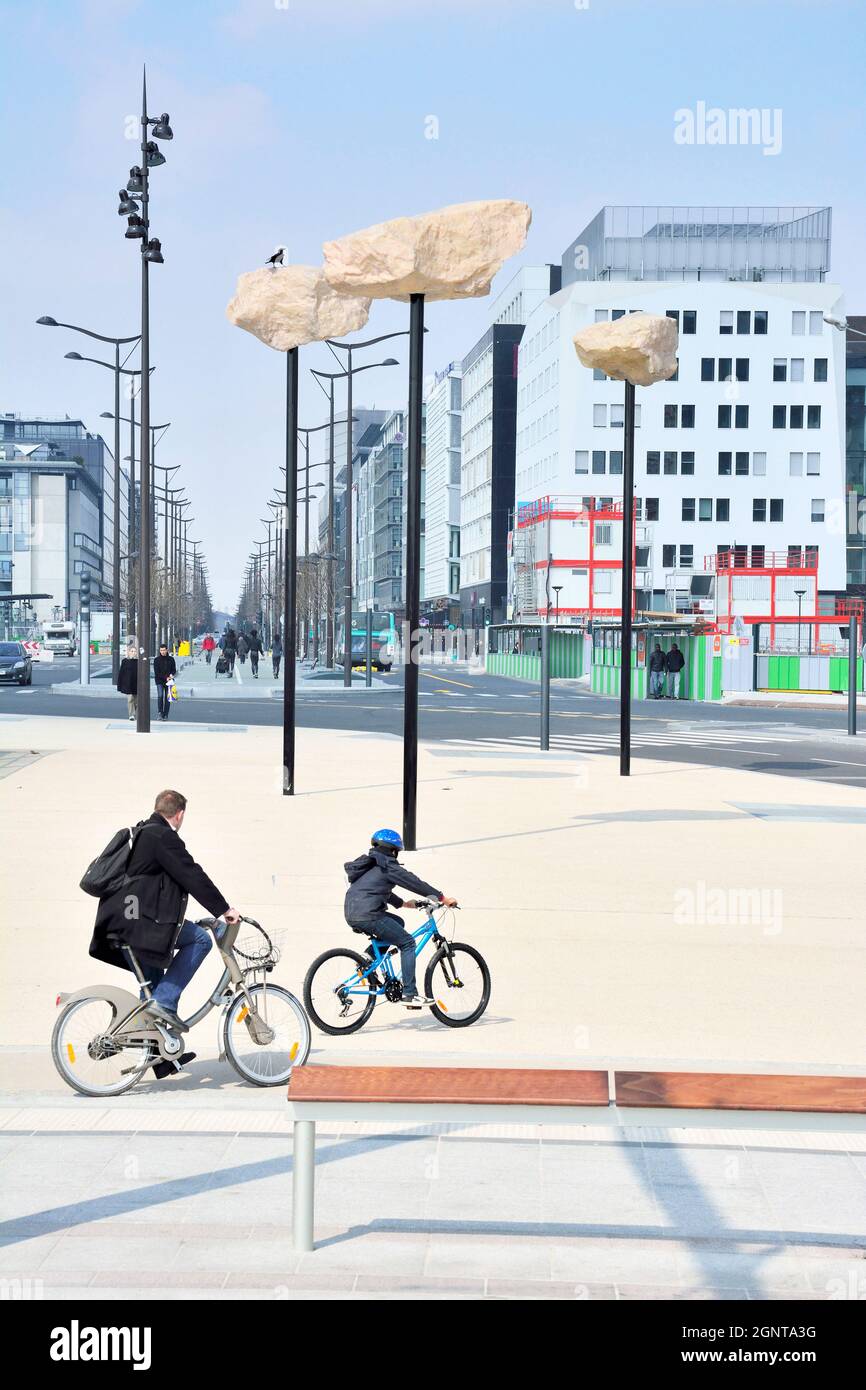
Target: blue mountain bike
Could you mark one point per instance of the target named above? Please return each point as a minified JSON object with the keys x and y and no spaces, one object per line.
{"x":342,"y":986}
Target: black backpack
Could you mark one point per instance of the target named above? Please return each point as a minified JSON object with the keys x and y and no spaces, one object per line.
{"x":108,"y":870}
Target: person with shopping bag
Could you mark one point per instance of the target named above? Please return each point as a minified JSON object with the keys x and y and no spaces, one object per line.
{"x":164,"y":672}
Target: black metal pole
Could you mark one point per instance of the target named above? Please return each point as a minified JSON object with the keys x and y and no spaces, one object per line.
{"x":144,"y":544}
{"x":307,"y":602}
{"x":115,"y":567}
{"x":348,"y":524}
{"x":545,"y":687}
{"x":368,"y":674}
{"x":413,"y":571}
{"x":290,"y":553}
{"x":331,"y":596}
{"x":852,"y":674}
{"x":132,"y":516}
{"x":627,"y":528}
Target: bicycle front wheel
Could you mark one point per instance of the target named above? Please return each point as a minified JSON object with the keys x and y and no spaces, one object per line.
{"x":264,"y":1046}
{"x":458,"y":979}
{"x":337,"y":998}
{"x":88,"y":1059}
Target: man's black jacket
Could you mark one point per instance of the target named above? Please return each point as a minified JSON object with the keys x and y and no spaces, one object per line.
{"x":127,"y":676}
{"x":674,"y":659}
{"x":148,"y":911}
{"x":372,"y":880}
{"x":163,"y":667}
{"x":657,"y":661}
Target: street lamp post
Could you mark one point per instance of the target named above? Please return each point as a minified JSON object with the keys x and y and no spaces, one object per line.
{"x":135,"y":206}
{"x":799,"y":593}
{"x":48,"y":322}
{"x":290,"y":565}
{"x":351,"y":371}
{"x":557,"y":589}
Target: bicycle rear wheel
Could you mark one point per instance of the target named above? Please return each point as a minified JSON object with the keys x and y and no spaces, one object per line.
{"x":459,"y":980}
{"x":89,"y":1060}
{"x":285,"y":1038}
{"x":337,"y":999}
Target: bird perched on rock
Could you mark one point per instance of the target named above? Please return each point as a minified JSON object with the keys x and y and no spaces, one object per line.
{"x":277,"y":258}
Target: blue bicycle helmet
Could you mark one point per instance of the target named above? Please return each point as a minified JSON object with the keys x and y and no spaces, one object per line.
{"x":389,"y":840}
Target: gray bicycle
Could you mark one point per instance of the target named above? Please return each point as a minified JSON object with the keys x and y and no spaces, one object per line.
{"x":103,"y":1042}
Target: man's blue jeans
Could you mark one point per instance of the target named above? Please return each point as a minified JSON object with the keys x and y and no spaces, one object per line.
{"x":168,"y":985}
{"x":391,"y":931}
{"x":657,"y":684}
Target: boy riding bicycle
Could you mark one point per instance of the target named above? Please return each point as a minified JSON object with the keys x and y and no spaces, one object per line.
{"x":373,"y":876}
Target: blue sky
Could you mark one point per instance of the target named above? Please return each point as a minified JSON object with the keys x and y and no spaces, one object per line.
{"x":297,"y":122}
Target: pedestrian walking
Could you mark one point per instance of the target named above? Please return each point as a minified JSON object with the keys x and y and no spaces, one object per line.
{"x":277,"y":653}
{"x":208,"y":646}
{"x":657,"y":669}
{"x":674,"y":663}
{"x":256,"y":649}
{"x":164,"y":672}
{"x":230,"y":648}
{"x":127,"y":680}
{"x":243,"y":647}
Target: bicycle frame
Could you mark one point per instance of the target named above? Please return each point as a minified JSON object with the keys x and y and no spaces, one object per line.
{"x":383,"y":952}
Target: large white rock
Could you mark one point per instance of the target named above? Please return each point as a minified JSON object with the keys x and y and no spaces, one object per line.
{"x":293,"y":305}
{"x":453,"y":253}
{"x":641,"y":348}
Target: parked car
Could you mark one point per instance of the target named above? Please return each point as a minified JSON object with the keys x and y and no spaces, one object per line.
{"x":15,"y":664}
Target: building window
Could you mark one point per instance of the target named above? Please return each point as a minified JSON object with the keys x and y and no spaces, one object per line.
{"x":779,"y":412}
{"x":687,"y":556}
{"x":820,"y":370}
{"x":670,"y":462}
{"x":598,"y":374}
{"x":817,"y":509}
{"x":708,"y":369}
{"x":687,"y":417}
{"x":744,"y":321}
{"x":688,"y":512}
{"x":724,"y":417}
{"x":598,"y":460}
{"x":690,"y":320}
{"x":813,"y":464}
{"x":816,"y":323}
{"x":759,"y":509}
{"x":617,"y":417}
{"x":669,"y":556}
{"x":741,"y":417}
{"x":725,"y":368}
{"x":759,"y":465}
{"x":742,"y":372}
{"x":780,"y":369}
{"x":795,"y":465}
{"x":652,"y":508}
{"x":777,"y":509}
{"x":797,"y":365}
{"x":723,"y":509}
{"x":673,"y":314}
{"x":741,"y":465}
{"x":726,"y":321}
{"x":581,"y":460}
{"x":813,"y":417}
{"x":603,"y":533}
{"x":615,"y":461}
{"x":798,"y":323}
{"x":653,"y":462}
{"x":687,"y":462}
{"x":617,"y":314}
{"x":599,"y":416}
{"x":724,"y":465}
{"x":795,"y":418}
{"x":670,"y":417}
{"x":761,"y":320}
{"x":601,"y":315}
{"x":705,"y":509}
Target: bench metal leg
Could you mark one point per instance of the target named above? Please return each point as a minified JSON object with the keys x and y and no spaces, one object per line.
{"x":303,"y":1183}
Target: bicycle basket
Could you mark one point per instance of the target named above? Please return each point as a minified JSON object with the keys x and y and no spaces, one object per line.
{"x":256,"y":947}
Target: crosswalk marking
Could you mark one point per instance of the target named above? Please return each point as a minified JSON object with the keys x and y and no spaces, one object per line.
{"x":663,"y":738}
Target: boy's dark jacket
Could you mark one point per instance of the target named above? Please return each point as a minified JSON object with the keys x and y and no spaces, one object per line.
{"x":147,"y":911}
{"x":372,"y":879}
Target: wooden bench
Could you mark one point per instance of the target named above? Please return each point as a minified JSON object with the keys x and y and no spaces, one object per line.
{"x":629,"y":1099}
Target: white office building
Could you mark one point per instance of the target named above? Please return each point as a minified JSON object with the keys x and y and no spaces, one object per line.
{"x":744,"y":451}
{"x":442,"y":489}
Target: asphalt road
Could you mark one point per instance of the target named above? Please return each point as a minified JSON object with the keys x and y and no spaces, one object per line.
{"x":479,"y":710}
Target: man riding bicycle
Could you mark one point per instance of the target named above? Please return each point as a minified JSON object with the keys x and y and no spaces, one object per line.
{"x":373,"y":876}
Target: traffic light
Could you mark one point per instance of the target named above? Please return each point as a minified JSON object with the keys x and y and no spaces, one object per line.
{"x":84,"y":594}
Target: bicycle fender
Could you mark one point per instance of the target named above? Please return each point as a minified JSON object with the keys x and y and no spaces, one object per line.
{"x":120,"y":999}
